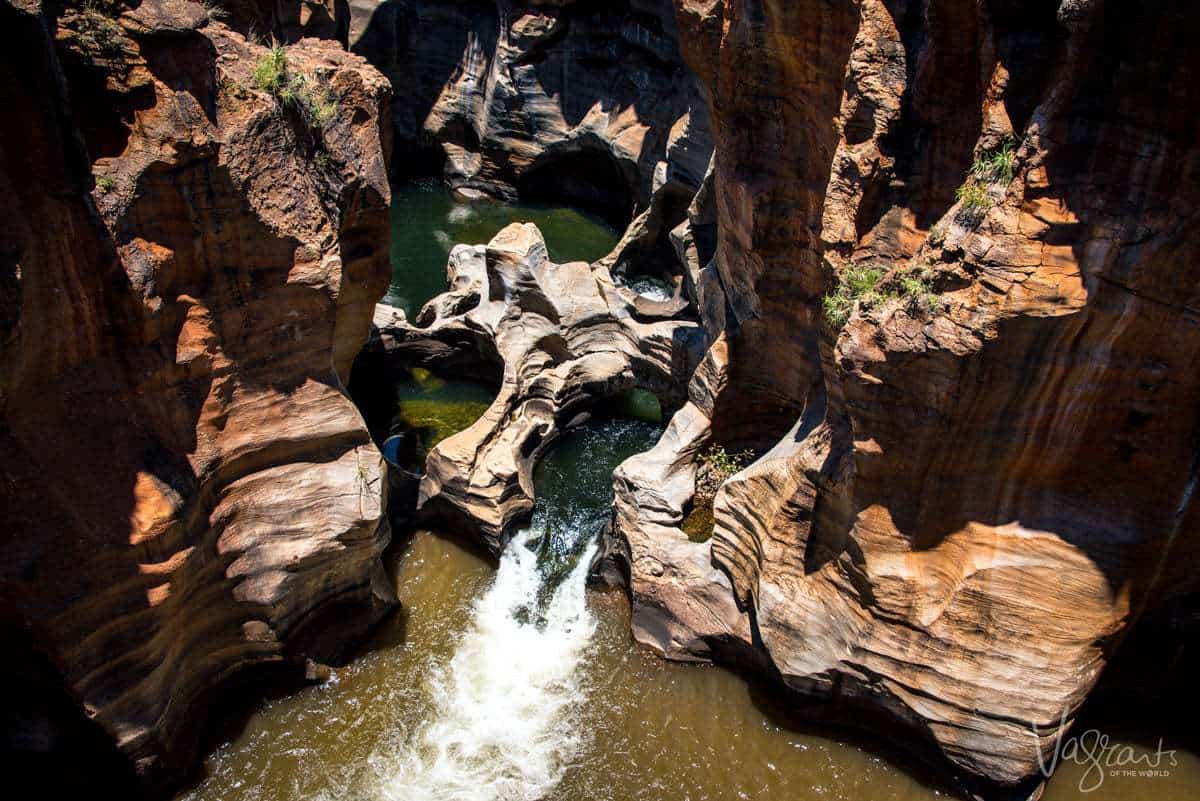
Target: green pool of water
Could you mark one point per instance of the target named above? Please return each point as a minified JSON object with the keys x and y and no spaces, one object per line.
{"x":427,"y":221}
{"x":436,"y":408}
{"x":637,"y":404}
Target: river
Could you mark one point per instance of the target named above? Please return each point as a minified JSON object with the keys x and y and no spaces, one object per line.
{"x":518,"y":684}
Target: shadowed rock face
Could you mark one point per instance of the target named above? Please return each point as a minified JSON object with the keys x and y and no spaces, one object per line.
{"x":587,"y":103}
{"x":958,"y":512}
{"x":563,"y":338}
{"x":287,"y":20}
{"x":188,"y":271}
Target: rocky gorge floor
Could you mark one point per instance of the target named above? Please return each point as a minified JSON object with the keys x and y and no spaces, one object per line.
{"x":928,"y":265}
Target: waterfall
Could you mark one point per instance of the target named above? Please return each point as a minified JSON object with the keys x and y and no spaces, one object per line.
{"x":501,"y":727}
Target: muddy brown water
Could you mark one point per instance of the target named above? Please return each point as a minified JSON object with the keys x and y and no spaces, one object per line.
{"x":642,"y":729}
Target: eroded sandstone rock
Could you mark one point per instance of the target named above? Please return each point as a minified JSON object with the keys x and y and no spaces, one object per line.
{"x":951,"y":521}
{"x":588,"y":104}
{"x":188,"y":268}
{"x":562,"y":338}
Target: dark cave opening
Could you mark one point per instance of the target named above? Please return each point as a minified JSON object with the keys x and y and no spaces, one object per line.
{"x":587,"y":179}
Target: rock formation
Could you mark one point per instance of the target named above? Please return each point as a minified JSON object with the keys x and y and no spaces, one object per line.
{"x":561,"y":337}
{"x":287,"y":20}
{"x":967,"y":494}
{"x":189,"y":266}
{"x":567,"y":101}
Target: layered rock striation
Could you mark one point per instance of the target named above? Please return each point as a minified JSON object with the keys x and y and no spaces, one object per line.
{"x":950,"y":520}
{"x":561,"y":338}
{"x":578,"y":102}
{"x":189,"y":267}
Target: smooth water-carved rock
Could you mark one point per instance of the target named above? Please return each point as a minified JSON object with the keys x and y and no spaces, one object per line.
{"x":685,"y":606}
{"x":585,"y":104}
{"x":562,"y":338}
{"x":950,"y":522}
{"x":188,"y":494}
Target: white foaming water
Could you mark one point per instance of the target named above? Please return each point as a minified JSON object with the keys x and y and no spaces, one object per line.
{"x":650,"y":288}
{"x":500,"y":728}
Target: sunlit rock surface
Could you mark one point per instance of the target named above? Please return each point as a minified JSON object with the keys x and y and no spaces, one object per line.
{"x":957,"y":513}
{"x":188,"y":269}
{"x":562,"y":337}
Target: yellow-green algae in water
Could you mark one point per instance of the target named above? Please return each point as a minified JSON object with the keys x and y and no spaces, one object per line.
{"x":436,"y":408}
{"x":427,"y":221}
{"x":698,"y":525}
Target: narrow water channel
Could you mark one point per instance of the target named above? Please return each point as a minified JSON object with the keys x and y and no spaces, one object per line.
{"x":517,"y":684}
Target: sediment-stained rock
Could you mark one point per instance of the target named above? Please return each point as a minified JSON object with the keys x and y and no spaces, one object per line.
{"x":562,"y":337}
{"x":189,"y":269}
{"x":952,"y":519}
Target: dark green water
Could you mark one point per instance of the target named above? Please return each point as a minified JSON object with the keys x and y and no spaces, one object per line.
{"x":427,"y":221}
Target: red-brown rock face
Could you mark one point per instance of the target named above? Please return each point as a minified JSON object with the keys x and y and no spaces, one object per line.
{"x":966,"y":495}
{"x":186,"y":490}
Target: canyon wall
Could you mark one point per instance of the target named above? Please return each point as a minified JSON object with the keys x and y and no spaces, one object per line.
{"x":189,"y":266}
{"x":574,"y":101}
{"x":970,"y":484}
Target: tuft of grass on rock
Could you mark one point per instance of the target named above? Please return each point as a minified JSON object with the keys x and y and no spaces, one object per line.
{"x":918,"y":294}
{"x":973,"y":197}
{"x":105,"y":184}
{"x":996,"y":166}
{"x":214,"y":11}
{"x":271,"y":71}
{"x":858,"y":286}
{"x":837,"y":307}
{"x":99,"y":33}
{"x":863,"y":287}
{"x":292,"y":89}
{"x":937,"y":236}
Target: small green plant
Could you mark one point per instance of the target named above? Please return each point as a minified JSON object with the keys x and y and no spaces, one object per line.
{"x":273,"y":74}
{"x":996,"y":166}
{"x":214,"y":11}
{"x":317,"y":104}
{"x":918,"y":293}
{"x":991,"y":167}
{"x":721,"y":464}
{"x":837,"y":307}
{"x":858,"y":285}
{"x":937,"y":236}
{"x":271,"y":71}
{"x":99,"y":34}
{"x":973,"y":197}
{"x":862,"y":280}
{"x":865,"y":288}
{"x":105,"y":184}
{"x":716,"y":466}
